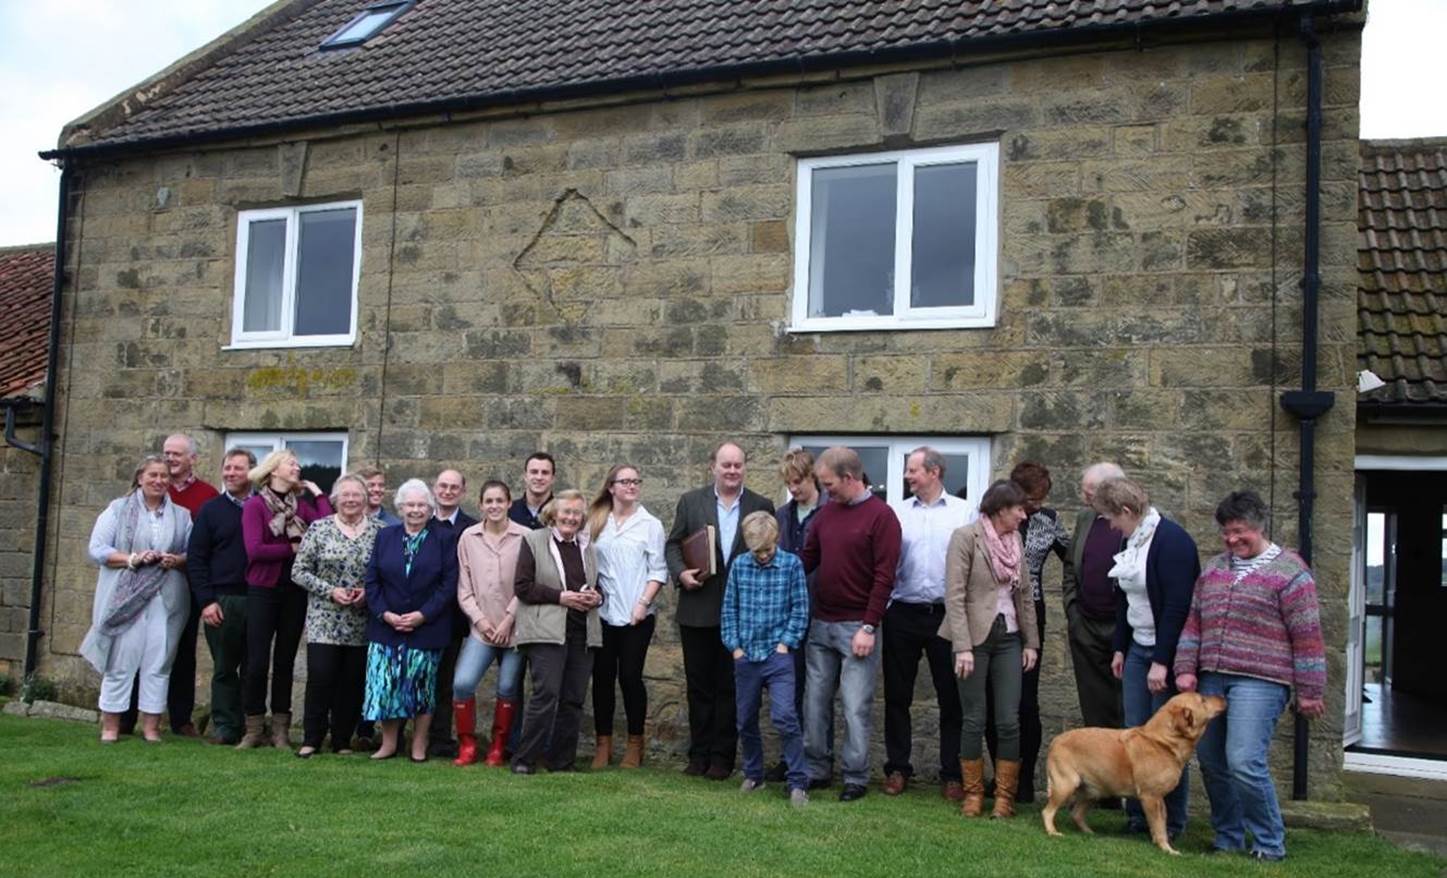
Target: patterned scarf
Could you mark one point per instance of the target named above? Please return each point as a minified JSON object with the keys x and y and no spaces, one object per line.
{"x":1004,"y":554}
{"x":411,"y":545}
{"x":135,"y":588}
{"x":1130,"y":562}
{"x":284,"y":520}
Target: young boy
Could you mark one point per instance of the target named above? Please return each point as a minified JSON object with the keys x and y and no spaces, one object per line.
{"x":765,"y":616}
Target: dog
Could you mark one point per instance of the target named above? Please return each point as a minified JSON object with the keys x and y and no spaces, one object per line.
{"x":1144,"y":762}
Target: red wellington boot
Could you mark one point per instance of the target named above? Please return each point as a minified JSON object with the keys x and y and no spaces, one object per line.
{"x":465,"y":717}
{"x":502,"y":720}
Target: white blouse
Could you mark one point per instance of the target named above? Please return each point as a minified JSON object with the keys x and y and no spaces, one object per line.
{"x":630,"y":555}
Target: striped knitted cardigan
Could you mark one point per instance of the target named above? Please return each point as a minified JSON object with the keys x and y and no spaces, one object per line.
{"x":1267,"y":626}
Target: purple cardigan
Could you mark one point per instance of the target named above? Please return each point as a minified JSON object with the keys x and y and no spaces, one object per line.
{"x":266,"y":554}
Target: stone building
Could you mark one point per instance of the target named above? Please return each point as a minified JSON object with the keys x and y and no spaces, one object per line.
{"x":626,"y":231}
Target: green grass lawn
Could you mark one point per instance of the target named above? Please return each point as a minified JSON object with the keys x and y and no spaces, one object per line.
{"x":69,"y":806}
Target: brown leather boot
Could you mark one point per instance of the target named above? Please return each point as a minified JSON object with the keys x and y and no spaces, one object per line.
{"x":633,"y":754}
{"x":973,"y":772}
{"x":1007,"y":779}
{"x":253,"y":735}
{"x":281,"y":731}
{"x":603,"y":752}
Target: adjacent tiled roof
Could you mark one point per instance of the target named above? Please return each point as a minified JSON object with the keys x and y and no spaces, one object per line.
{"x":26,"y":278}
{"x":1402,"y":293}
{"x":451,"y":53}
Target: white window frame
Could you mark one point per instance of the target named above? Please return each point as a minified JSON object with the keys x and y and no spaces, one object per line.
{"x":981,"y":314}
{"x":977,"y":447}
{"x":278,"y":441}
{"x":282,"y":337}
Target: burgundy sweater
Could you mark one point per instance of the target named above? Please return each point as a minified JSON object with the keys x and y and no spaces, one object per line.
{"x":268,"y":555}
{"x":855,"y":550}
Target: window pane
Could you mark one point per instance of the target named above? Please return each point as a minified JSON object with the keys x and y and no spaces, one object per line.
{"x":957,"y":476}
{"x":324,"y":272}
{"x":943,"y":265}
{"x":321,"y":460}
{"x":365,"y":26}
{"x":261,"y":451}
{"x":851,"y":247}
{"x":1376,"y":558}
{"x":876,"y":465}
{"x":265,"y":256}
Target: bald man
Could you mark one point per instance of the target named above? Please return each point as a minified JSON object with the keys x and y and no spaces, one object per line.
{"x":1089,"y":597}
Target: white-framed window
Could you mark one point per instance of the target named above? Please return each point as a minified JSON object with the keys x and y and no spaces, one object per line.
{"x":967,"y":461}
{"x":897,"y":240}
{"x":296,"y":276}
{"x":323,"y":456}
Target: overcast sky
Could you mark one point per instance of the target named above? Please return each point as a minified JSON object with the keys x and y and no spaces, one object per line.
{"x":61,"y":58}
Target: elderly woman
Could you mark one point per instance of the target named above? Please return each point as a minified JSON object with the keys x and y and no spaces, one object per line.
{"x":557,"y":625}
{"x":411,"y":596}
{"x":141,"y":601}
{"x":1156,"y":572}
{"x":631,"y":569}
{"x":330,"y":566}
{"x":487,"y":557}
{"x":1042,"y":534}
{"x":990,"y":623}
{"x":273,"y":523}
{"x":1252,"y":634}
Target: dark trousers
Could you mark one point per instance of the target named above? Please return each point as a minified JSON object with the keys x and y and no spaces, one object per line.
{"x":181,"y":696}
{"x":708,"y":671}
{"x":1031,"y":730}
{"x":620,"y":661}
{"x":274,"y":620}
{"x":554,"y":714}
{"x":335,"y":678}
{"x":909,"y":631}
{"x":777,"y":673}
{"x":997,"y":661}
{"x":227,"y":643}
{"x":1090,"y":653}
{"x":440,"y":734}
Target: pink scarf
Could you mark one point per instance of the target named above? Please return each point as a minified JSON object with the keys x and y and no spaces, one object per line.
{"x":1004,"y":555}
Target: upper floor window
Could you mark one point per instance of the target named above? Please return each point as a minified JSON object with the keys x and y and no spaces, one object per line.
{"x":296,"y":276}
{"x":897,"y":240}
{"x":366,"y":24}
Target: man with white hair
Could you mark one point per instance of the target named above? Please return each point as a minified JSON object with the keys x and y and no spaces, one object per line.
{"x":1089,"y":597}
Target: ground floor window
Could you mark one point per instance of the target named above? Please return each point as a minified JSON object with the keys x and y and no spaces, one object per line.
{"x":967,"y":461}
{"x":323,"y":456}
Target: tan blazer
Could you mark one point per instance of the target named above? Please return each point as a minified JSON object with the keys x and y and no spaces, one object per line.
{"x":972,"y":593}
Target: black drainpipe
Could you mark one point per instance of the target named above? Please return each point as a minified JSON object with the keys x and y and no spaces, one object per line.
{"x":1308,"y":404}
{"x":46,"y":443}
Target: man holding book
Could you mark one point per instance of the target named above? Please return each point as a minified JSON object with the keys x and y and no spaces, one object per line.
{"x":698,"y":562}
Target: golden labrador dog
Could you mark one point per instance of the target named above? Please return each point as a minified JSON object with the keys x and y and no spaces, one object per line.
{"x":1144,"y":762}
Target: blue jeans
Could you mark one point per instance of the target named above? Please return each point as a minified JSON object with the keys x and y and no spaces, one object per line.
{"x":777,"y":673}
{"x":474,"y":660}
{"x":831,"y":665}
{"x":1233,"y":761}
{"x":1140,"y":704}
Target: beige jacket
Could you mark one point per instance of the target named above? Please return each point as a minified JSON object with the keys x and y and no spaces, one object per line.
{"x":485,"y":568}
{"x":972,"y":595}
{"x":548,"y":622}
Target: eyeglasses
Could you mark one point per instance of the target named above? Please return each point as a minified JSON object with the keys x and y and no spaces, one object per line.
{"x":631,"y":483}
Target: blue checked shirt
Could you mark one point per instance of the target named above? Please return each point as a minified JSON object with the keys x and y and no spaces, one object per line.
{"x":765,"y":605}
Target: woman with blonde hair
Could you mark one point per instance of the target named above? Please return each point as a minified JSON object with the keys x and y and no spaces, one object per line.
{"x":330,"y":566}
{"x":628,"y":541}
{"x":141,"y":601}
{"x":273,"y":523}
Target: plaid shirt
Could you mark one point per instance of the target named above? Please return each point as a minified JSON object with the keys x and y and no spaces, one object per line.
{"x":765,"y":605}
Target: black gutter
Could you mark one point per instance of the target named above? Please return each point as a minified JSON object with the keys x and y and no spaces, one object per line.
{"x":934,"y":50}
{"x":45,"y":445}
{"x":1308,"y":404}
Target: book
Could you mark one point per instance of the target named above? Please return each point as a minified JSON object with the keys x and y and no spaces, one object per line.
{"x":700,"y":551}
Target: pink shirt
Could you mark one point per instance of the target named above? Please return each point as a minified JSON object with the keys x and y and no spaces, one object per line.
{"x":485,"y":567}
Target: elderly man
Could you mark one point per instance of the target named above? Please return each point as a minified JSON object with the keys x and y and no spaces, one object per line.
{"x":216,"y":567}
{"x":912,"y":623}
{"x":447,"y":489}
{"x":854,"y":546}
{"x":539,"y":471}
{"x":1090,"y":604}
{"x":707,"y":667}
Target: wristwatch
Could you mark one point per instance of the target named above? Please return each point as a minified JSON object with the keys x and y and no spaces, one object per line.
{"x":867,"y":629}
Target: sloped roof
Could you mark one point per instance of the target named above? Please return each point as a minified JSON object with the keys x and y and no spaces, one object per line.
{"x":26,"y":284}
{"x":1402,"y":257}
{"x":454,"y":54}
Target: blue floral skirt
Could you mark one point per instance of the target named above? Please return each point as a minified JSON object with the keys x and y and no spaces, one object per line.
{"x":401,"y":682}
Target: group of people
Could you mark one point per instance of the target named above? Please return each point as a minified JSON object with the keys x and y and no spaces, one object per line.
{"x":404,"y":613}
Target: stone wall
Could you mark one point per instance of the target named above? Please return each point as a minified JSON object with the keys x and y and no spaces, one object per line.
{"x":611,"y":283}
{"x":19,"y":478}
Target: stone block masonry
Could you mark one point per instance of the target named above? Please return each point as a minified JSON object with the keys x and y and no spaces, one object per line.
{"x":612,"y":284}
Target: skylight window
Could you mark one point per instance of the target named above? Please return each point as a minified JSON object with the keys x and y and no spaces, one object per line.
{"x":368,"y":23}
